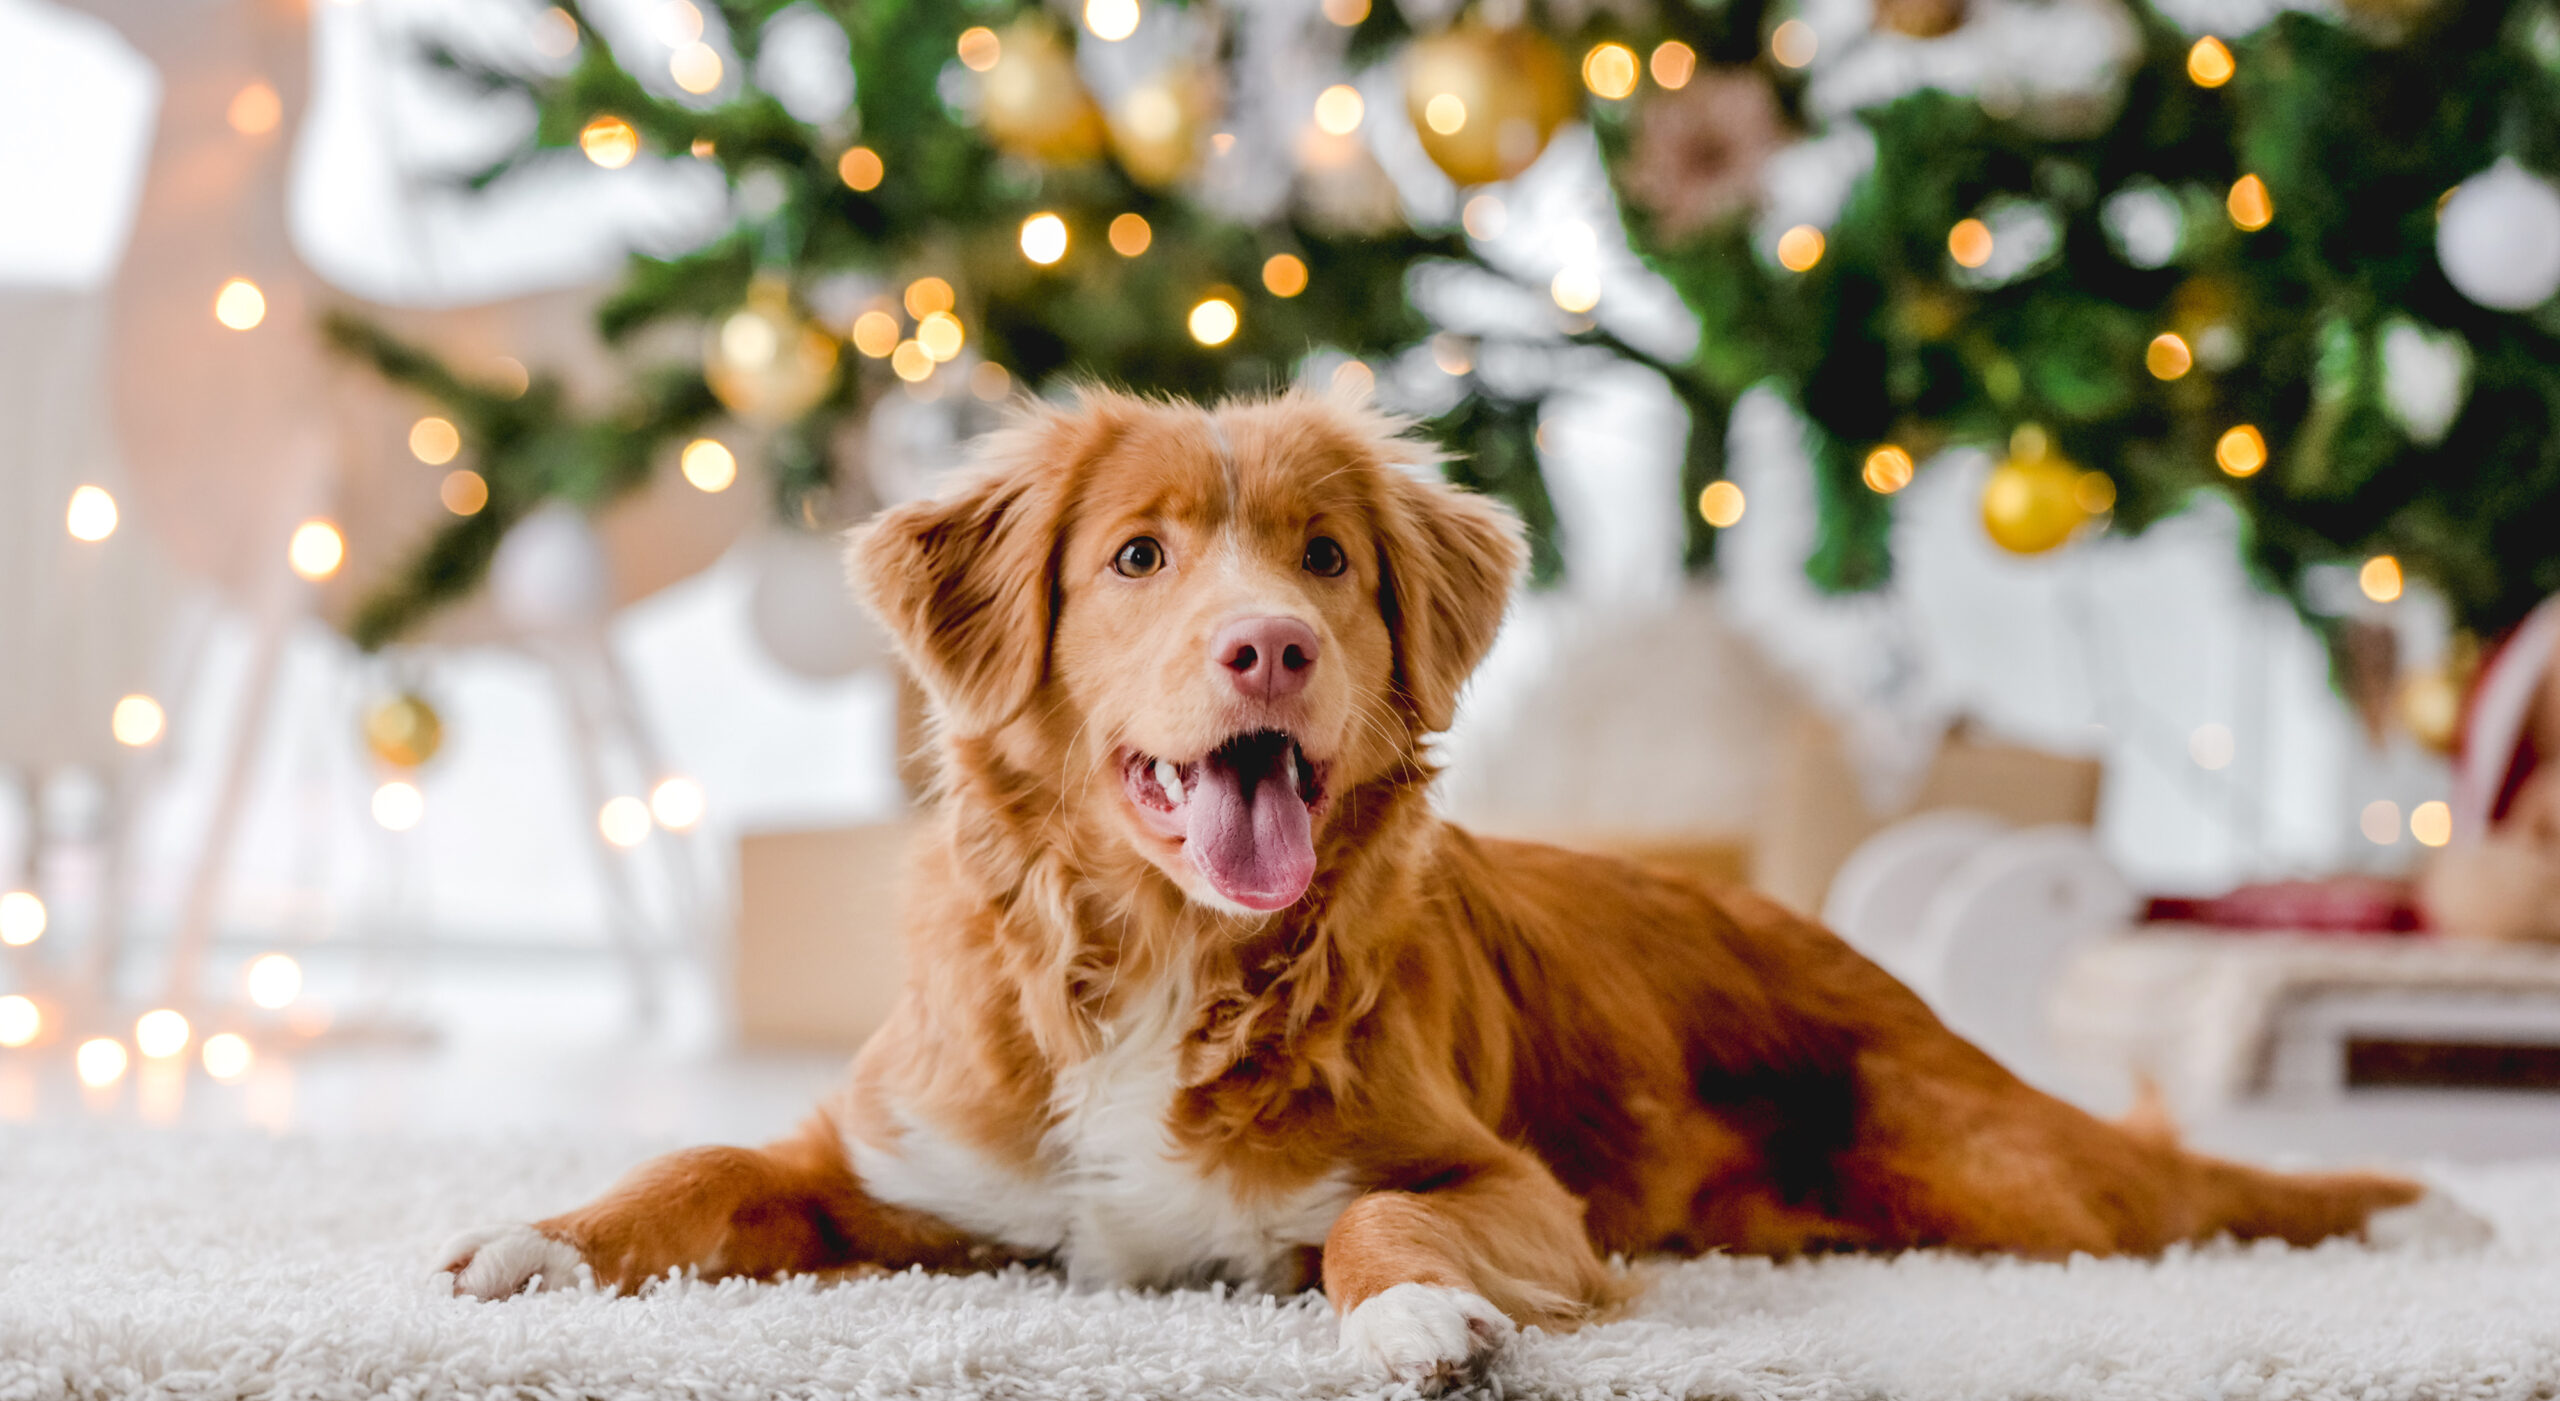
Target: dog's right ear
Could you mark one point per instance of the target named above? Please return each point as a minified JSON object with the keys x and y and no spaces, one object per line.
{"x":966,"y":583}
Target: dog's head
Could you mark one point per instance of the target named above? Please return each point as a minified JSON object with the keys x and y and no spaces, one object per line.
{"x":1203,"y":626}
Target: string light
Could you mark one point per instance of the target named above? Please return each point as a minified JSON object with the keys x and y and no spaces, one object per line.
{"x":1214,"y":321}
{"x":609,"y":141}
{"x":1576,"y":287}
{"x":509,"y":376}
{"x":555,"y":33}
{"x":317,"y":549}
{"x":274,"y":981}
{"x":2095,"y":492}
{"x":860,"y":168}
{"x":2211,"y":746}
{"x":1130,"y":235}
{"x":2380,"y":579}
{"x":941,"y":335}
{"x":1339,"y":110}
{"x":624,"y":821}
{"x":1111,"y":20}
{"x":255,"y":110}
{"x":677,"y":804}
{"x":21,"y":1021}
{"x":2241,"y":451}
{"x":911,"y":363}
{"x":990,"y":382}
{"x":434,"y":441}
{"x":2380,"y":822}
{"x":398,"y":805}
{"x":927,"y":295}
{"x":2209,"y":63}
{"x":1800,"y":248}
{"x":1044,"y":239}
{"x":22,"y":918}
{"x":1721,"y":504}
{"x":137,"y":721}
{"x":875,"y":333}
{"x":91,"y":515}
{"x":463,"y":491}
{"x":2252,"y":208}
{"x":1354,"y":379}
{"x":1887,"y":471}
{"x":240,"y":305}
{"x":1484,"y":217}
{"x":1445,"y":113}
{"x":100,"y":1061}
{"x":1969,"y":243}
{"x":1346,"y":13}
{"x":162,"y":1034}
{"x":227,"y":1056}
{"x":980,"y":49}
{"x":1610,"y":70}
{"x":1673,"y":64}
{"x":1455,"y":355}
{"x":1793,"y":43}
{"x":2168,"y":357}
{"x":696,"y":68}
{"x":679,"y":23}
{"x":708,"y":464}
{"x":2431,"y":822}
{"x":1284,"y":274}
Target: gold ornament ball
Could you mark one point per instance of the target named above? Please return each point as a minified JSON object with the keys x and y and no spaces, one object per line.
{"x":1032,"y":103}
{"x":1485,"y":101}
{"x":1156,"y":127}
{"x":765,"y":361}
{"x":2033,"y":504}
{"x":404,"y":731}
{"x":1920,"y":19}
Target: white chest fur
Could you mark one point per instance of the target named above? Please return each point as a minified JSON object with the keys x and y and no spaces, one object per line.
{"x":1112,"y":1199}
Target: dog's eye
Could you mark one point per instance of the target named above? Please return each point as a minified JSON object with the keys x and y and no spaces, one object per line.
{"x":1325,"y":557}
{"x":1139,"y":558}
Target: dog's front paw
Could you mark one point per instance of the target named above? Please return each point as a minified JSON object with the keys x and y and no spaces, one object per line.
{"x":496,"y":1262}
{"x":2432,"y":1222}
{"x":1429,"y":1334}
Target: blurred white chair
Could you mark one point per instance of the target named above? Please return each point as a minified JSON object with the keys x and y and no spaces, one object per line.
{"x":1875,"y":900}
{"x":1982,"y":920}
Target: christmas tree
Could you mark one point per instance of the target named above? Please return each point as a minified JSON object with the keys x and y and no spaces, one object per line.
{"x":2306,"y":268}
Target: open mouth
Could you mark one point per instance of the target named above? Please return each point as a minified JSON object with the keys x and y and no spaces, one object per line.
{"x":1244,"y":812}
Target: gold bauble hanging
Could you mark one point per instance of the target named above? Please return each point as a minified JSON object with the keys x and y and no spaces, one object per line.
{"x":1033,"y":104}
{"x":766,"y":362}
{"x":1485,"y":101}
{"x":2033,"y":501}
{"x":1920,"y":19}
{"x":1157,"y":127}
{"x":403,"y":731}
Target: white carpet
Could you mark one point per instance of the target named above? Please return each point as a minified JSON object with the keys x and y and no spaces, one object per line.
{"x":198,"y":1264}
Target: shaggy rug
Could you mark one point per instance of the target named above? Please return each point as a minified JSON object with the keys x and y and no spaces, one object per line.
{"x":199,"y":1264}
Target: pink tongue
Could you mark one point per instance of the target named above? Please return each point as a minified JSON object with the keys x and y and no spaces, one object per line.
{"x":1250,"y":833}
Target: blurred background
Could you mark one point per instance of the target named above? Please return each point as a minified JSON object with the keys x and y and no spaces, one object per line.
{"x":2061,"y":489}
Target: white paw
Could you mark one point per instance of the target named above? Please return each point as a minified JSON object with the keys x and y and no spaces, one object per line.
{"x":1426,"y":1333}
{"x":2432,"y":1222}
{"x":496,"y":1262}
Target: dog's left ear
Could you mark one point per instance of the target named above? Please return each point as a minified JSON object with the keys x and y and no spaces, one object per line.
{"x":965,"y":583}
{"x":1448,"y":559}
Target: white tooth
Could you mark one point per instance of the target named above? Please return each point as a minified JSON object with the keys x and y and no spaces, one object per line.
{"x":1293,"y":769}
{"x":1170,"y":778}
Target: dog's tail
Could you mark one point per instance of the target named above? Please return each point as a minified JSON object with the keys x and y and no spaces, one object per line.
{"x":2303,"y":1208}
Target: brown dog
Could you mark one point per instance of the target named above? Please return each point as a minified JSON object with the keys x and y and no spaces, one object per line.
{"x":1201,"y":989}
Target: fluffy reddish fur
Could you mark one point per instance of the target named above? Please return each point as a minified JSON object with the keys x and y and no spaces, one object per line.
{"x":1524,"y":1059}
